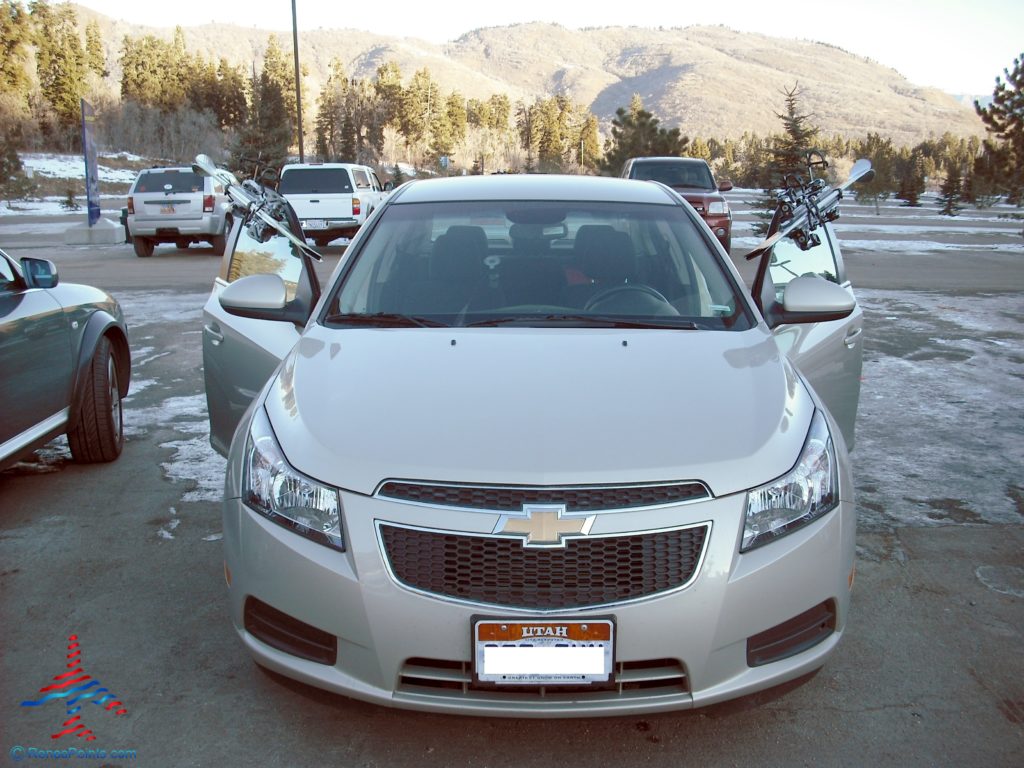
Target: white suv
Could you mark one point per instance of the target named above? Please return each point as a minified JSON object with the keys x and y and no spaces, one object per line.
{"x":331,"y":200}
{"x":177,"y":205}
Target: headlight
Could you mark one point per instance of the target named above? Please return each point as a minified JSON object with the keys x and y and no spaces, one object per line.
{"x":808,"y":491}
{"x":279,"y":493}
{"x":718,"y":208}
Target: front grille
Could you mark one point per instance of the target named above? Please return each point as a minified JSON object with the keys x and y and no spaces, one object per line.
{"x":500,"y":571}
{"x":632,"y":679}
{"x":286,"y":633}
{"x":576,"y":498}
{"x":792,"y":637}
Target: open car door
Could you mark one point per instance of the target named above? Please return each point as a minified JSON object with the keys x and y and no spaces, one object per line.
{"x":829,"y":353}
{"x":802,"y":244}
{"x":240,"y":353}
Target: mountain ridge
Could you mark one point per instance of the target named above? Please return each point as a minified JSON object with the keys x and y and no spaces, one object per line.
{"x":710,"y":81}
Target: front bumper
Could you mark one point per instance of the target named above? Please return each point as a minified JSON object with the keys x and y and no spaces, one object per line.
{"x":398,"y":647}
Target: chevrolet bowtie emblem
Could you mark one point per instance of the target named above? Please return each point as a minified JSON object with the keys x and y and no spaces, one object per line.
{"x":544,"y":525}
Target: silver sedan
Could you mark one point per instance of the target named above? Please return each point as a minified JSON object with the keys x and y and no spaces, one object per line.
{"x":534,"y":450}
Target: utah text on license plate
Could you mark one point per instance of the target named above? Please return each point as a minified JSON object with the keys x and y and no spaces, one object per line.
{"x":549,"y":652}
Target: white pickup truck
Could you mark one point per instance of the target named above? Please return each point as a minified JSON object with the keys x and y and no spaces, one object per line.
{"x":331,"y":200}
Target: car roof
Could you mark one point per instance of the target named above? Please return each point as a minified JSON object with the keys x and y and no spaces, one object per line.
{"x":671,"y":159}
{"x":532,"y":187}
{"x":293,"y":166}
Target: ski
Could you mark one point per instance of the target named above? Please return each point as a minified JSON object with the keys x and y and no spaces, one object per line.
{"x":805,"y":206}
{"x":252,"y":198}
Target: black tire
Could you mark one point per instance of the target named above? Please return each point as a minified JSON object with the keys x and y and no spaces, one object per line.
{"x":143,"y":247}
{"x":182,"y":244}
{"x":98,"y":434}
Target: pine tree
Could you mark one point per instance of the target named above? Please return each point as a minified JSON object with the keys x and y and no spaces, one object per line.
{"x":526,"y":129}
{"x":636,"y":134}
{"x":60,"y":62}
{"x":952,"y":187}
{"x":1004,"y":120}
{"x":95,"y":58}
{"x":789,"y":153}
{"x":278,"y":80}
{"x":15,"y":37}
{"x":882,"y":156}
{"x":265,"y":137}
{"x":329,"y":116}
{"x":388,"y":90}
{"x":232,"y":106}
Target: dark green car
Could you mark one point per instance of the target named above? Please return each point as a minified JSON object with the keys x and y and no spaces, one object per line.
{"x":64,"y":364}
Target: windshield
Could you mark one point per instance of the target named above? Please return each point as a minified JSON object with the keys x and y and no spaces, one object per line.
{"x":313,"y":181}
{"x":537,"y":263}
{"x":688,"y":175}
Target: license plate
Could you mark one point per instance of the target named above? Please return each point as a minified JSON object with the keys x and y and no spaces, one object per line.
{"x":543,"y":652}
{"x":314,"y":224}
{"x":166,"y":209}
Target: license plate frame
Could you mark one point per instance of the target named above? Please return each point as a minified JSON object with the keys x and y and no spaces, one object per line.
{"x":544,"y":652}
{"x":314,"y":224}
{"x":167,"y":209}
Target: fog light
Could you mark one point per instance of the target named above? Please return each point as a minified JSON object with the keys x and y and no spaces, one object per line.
{"x":720,"y":232}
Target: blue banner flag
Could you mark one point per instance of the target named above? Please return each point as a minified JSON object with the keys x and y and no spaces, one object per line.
{"x":92,"y":174}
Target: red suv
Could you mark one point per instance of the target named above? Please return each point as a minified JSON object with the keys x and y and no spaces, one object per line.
{"x":691,"y":178}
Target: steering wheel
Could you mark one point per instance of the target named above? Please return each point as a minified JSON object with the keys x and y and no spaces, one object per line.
{"x":604,"y":296}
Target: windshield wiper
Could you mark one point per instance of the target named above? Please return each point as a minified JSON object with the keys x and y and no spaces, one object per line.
{"x":384,"y":320}
{"x":589,"y":321}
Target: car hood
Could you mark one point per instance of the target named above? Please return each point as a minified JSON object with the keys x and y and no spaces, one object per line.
{"x":699,"y":198}
{"x":355,"y":407}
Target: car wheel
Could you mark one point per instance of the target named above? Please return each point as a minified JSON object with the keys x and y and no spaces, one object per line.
{"x":98,"y":434}
{"x":727,"y":244}
{"x":143,"y":246}
{"x":182,"y":244}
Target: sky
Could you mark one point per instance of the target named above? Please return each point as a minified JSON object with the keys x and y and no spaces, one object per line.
{"x":958,"y":46}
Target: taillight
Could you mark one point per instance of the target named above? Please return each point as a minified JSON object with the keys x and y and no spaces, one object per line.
{"x":356,"y":206}
{"x":131,"y":205}
{"x":207,"y":203}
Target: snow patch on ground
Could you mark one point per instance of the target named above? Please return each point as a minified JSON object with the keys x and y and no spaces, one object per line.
{"x":192,"y":460}
{"x":949,"y":370}
{"x":72,"y":167}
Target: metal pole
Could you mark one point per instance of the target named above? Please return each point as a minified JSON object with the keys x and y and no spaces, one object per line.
{"x":298,"y":86}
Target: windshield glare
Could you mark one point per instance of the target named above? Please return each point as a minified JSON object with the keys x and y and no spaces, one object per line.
{"x":538,"y":263}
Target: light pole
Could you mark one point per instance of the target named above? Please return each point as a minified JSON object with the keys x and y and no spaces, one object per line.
{"x":298,"y":86}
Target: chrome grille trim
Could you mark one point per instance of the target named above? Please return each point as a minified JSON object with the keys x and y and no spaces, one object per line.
{"x":705,"y":534}
{"x":511,"y":498}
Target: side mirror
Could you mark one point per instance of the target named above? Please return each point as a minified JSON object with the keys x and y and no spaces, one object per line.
{"x":812,"y":299}
{"x":39,"y":273}
{"x":262,"y":297}
{"x":724,"y":185}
